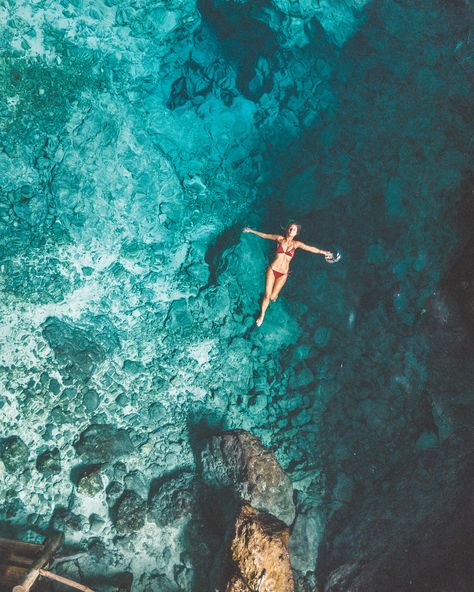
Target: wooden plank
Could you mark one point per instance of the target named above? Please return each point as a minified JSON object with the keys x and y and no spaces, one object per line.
{"x":21,"y":546}
{"x":12,"y":571}
{"x":19,"y":552}
{"x":11,"y":575}
{"x":12,"y":562}
{"x":49,"y":548}
{"x":63,"y":580}
{"x":12,"y":559}
{"x":22,"y":555}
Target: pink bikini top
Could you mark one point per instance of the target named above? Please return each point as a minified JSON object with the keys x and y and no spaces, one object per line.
{"x":290,"y":253}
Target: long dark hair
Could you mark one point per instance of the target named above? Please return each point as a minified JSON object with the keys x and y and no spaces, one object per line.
{"x":298,"y":227}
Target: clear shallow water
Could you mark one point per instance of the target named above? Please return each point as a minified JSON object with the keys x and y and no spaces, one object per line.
{"x":137,"y":140}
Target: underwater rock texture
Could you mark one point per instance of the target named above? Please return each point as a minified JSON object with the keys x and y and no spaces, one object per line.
{"x":459,"y":283}
{"x":237,"y":461}
{"x":137,"y":139}
{"x":174,"y":498}
{"x":102,"y":443}
{"x":259,"y":551}
{"x":253,"y":547}
{"x":14,"y":454}
{"x":429,"y":541}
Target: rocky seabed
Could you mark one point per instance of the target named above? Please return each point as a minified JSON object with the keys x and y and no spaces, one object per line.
{"x":141,"y":412}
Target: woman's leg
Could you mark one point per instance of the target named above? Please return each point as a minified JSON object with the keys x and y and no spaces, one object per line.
{"x":269,"y":281}
{"x":277,"y":286}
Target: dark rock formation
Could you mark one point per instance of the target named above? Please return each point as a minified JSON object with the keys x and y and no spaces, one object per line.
{"x":90,"y":482}
{"x":422,"y":504}
{"x":173,"y":498}
{"x":65,"y":520}
{"x":49,"y":462}
{"x":425,"y":512}
{"x":14,"y":454}
{"x":460,"y":283}
{"x":237,"y":460}
{"x":103,"y":443}
{"x":130,"y":512}
{"x":306,"y":535}
{"x":72,"y":346}
{"x":253,"y":501}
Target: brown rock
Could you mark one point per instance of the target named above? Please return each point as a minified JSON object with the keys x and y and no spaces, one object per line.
{"x":260,"y":554}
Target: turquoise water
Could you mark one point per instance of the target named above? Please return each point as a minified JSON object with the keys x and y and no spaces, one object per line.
{"x":137,"y":140}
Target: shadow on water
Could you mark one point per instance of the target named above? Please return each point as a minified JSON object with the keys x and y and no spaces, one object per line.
{"x":422,"y":500}
{"x":206,"y":535}
{"x":243,"y":39}
{"x":226,"y":239}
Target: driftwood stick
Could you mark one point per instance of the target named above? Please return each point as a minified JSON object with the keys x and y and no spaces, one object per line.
{"x":50,"y":547}
{"x":27,"y":581}
{"x":63,"y":580}
{"x":65,"y":558}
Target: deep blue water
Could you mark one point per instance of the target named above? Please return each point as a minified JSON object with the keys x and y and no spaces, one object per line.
{"x":137,"y":140}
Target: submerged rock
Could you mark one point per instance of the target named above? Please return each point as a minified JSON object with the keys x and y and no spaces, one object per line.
{"x":96,"y":523}
{"x":14,"y":454}
{"x":65,"y":520}
{"x":90,"y":483}
{"x":73,"y":346}
{"x":306,"y":535}
{"x":259,"y":550}
{"x":427,"y":441}
{"x":130,"y":512}
{"x":49,"y":462}
{"x":103,"y":443}
{"x":114,"y":491}
{"x":426,"y":516}
{"x":237,"y":460}
{"x":156,"y":411}
{"x":174,"y":497}
{"x":460,"y":283}
{"x":90,"y":400}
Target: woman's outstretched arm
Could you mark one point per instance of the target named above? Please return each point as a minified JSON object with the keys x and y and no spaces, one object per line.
{"x":311,"y":249}
{"x":263,"y":235}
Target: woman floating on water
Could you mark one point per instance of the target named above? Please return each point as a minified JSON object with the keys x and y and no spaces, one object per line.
{"x":277,"y":272}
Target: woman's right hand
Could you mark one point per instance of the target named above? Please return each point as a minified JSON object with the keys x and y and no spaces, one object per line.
{"x":246,"y":229}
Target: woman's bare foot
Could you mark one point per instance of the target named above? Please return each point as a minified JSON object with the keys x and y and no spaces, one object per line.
{"x":259,"y":321}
